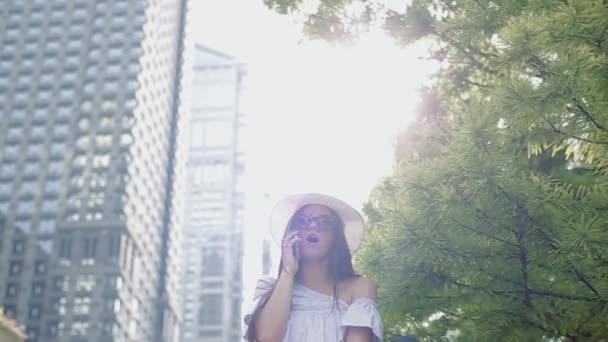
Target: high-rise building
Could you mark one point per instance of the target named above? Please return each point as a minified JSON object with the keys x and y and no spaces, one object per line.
{"x":212,"y":234}
{"x":90,"y":161}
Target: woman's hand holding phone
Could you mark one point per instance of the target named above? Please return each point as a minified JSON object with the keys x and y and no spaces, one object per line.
{"x":291,"y":253}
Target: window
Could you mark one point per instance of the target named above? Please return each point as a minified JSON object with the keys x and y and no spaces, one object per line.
{"x":216,"y":95}
{"x":197,"y":134}
{"x":52,"y":329}
{"x":55,"y":168}
{"x":101,"y":161}
{"x":80,"y":328}
{"x":37,"y":289}
{"x":58,"y":150}
{"x":10,"y":310}
{"x":236,"y":313}
{"x":26,"y":207}
{"x":83,"y":142}
{"x":16,"y":267}
{"x":40,"y":267}
{"x":50,"y":206}
{"x":61,"y":130}
{"x":65,"y":248}
{"x":45,"y":246}
{"x":3,"y":208}
{"x":32,"y":331}
{"x":8,"y":170}
{"x":211,"y":310}
{"x":34,"y":312}
{"x":82,"y":305}
{"x":18,"y":247}
{"x":213,"y":174}
{"x":12,"y":290}
{"x":209,"y":333}
{"x":85,"y":283}
{"x":38,"y":133}
{"x":32,"y":168}
{"x":61,"y":283}
{"x":23,"y":224}
{"x":6,"y":189}
{"x":46,"y":226}
{"x":35,"y":151}
{"x":60,"y":306}
{"x":89,"y":251}
{"x":97,"y":180}
{"x":114,"y":246}
{"x":213,"y":262}
{"x":53,"y":186}
{"x":29,"y":188}
{"x":11,"y":152}
{"x":218,"y":133}
{"x":117,"y":305}
{"x":103,"y":141}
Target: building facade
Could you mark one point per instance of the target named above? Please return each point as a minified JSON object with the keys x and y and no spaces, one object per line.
{"x":90,"y":162}
{"x":213,"y":219}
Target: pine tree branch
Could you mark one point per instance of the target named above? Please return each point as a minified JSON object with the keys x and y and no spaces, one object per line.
{"x":543,"y":231}
{"x":585,"y":112}
{"x":584,"y":280}
{"x":570,"y":135}
{"x":473,"y":83}
{"x":468,"y":54}
{"x":480,"y":212}
{"x":521,"y":237}
{"x":453,"y":252}
{"x":483,"y":234}
{"x":499,"y":277}
{"x":449,"y":5}
{"x":569,"y":297}
{"x":509,"y":293}
{"x":579,"y":275}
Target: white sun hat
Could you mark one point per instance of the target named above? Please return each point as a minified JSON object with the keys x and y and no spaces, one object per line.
{"x":288,"y":206}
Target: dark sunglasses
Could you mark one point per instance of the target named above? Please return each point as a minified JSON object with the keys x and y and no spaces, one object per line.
{"x":301,"y":222}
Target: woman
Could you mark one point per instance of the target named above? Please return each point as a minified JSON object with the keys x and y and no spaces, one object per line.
{"x":317,"y":295}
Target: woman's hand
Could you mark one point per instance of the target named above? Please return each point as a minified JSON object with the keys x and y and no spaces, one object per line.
{"x":291,"y":253}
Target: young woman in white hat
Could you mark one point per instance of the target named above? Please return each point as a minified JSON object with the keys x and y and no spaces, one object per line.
{"x":317,"y":295}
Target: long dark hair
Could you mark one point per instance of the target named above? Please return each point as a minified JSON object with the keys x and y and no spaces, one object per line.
{"x":340,"y":268}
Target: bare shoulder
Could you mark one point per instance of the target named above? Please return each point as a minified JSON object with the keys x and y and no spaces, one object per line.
{"x":362,"y":287}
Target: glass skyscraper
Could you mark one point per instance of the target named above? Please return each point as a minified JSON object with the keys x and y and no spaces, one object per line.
{"x":213,"y":220}
{"x":90,"y":160}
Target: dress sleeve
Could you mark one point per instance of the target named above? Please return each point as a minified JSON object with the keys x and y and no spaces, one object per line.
{"x":264,"y":285}
{"x":363,"y":312}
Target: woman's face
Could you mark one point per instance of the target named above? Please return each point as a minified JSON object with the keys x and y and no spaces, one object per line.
{"x":316,"y":226}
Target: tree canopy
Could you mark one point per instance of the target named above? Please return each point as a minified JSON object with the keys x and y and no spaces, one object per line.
{"x":494,"y":222}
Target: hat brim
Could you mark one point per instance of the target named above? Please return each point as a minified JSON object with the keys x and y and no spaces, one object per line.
{"x":354,"y":226}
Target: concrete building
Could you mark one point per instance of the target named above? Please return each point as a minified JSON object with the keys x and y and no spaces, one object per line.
{"x":90,"y":162}
{"x":213,"y":219}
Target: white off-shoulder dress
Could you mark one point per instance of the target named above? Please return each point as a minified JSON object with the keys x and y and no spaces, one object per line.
{"x":314,"y":317}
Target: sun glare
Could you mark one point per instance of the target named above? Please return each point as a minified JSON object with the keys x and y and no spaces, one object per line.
{"x":328,"y":116}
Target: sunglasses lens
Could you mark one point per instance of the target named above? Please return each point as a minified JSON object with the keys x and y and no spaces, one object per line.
{"x":327,"y":222}
{"x":300,"y":222}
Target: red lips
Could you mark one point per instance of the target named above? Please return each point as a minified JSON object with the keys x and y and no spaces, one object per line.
{"x":312,"y":238}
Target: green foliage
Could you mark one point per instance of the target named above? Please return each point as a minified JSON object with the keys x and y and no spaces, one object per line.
{"x":494,"y":223}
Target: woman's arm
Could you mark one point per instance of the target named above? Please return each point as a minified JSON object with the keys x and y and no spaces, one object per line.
{"x":362,"y":287}
{"x":272,"y":322}
{"x":271,"y":325}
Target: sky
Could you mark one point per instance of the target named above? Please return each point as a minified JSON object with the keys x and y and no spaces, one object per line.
{"x":318,"y":118}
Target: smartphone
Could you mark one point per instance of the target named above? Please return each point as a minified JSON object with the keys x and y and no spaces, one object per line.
{"x":296,"y":249}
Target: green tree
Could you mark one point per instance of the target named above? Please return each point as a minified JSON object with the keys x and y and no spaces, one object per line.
{"x":494,"y":223}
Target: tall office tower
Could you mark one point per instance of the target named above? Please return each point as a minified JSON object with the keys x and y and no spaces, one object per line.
{"x":90,"y":155}
{"x":212,"y":235}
